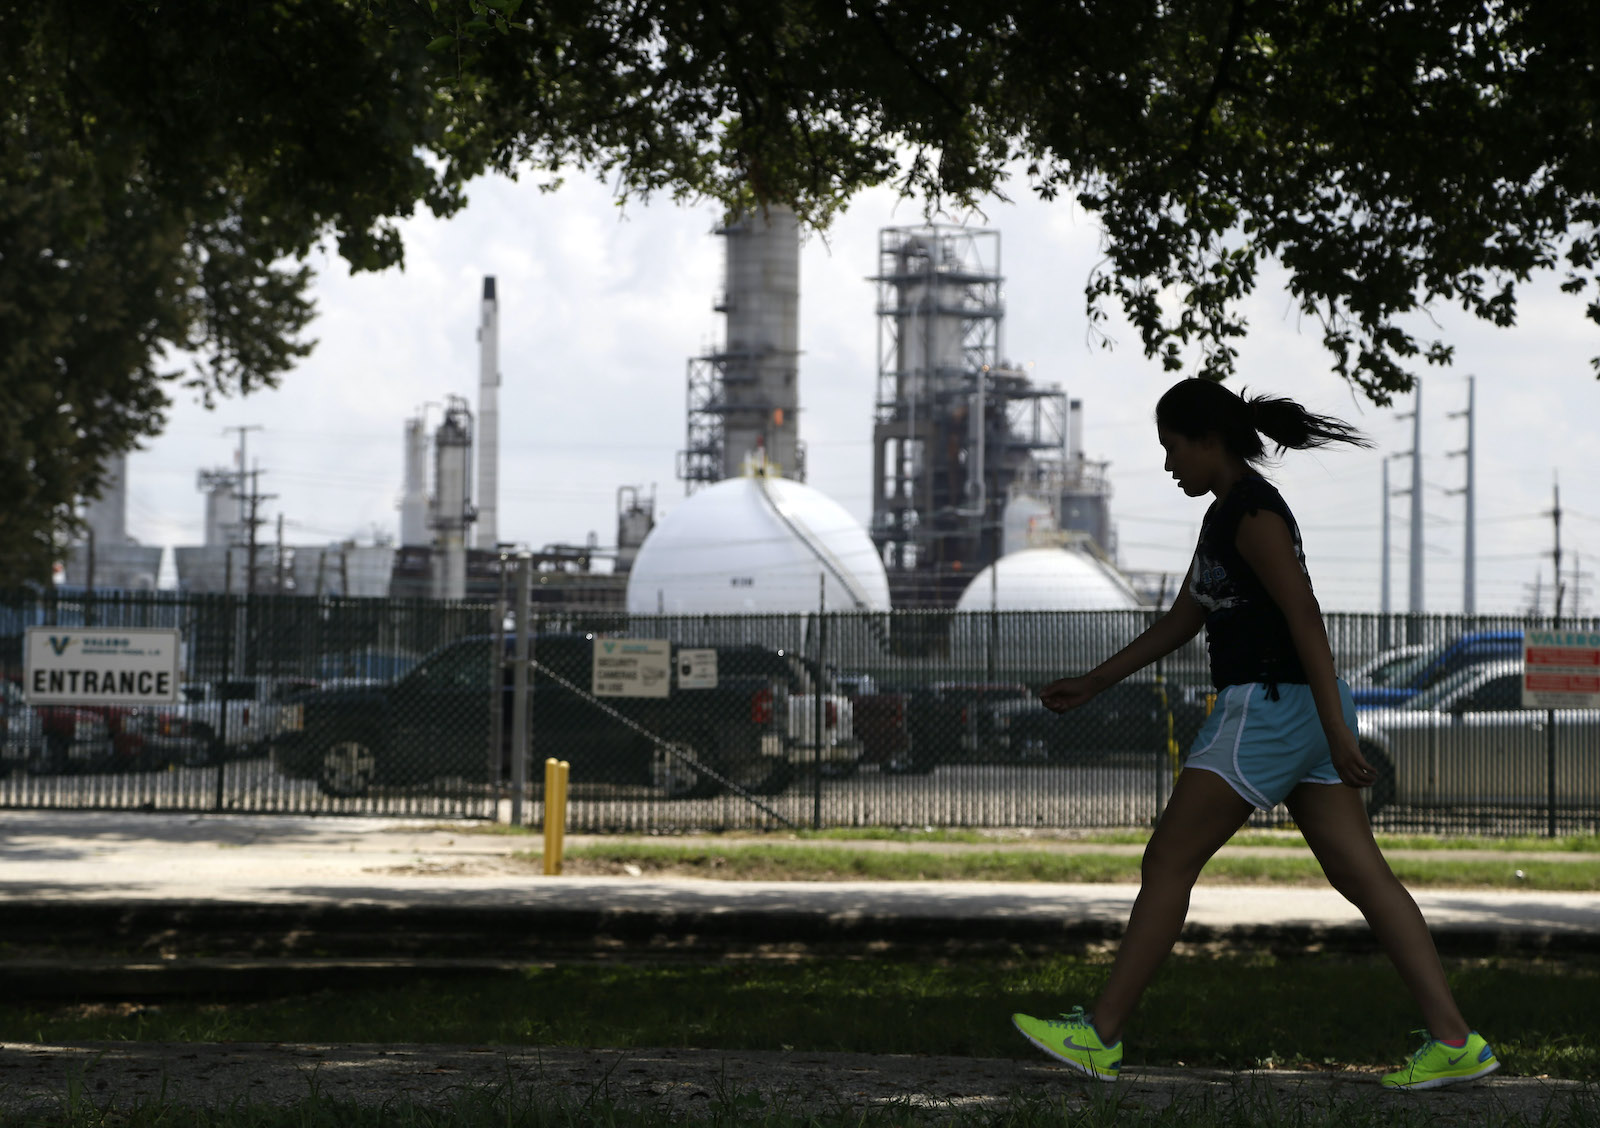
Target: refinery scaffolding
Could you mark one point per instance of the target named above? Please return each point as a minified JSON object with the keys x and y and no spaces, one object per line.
{"x":956,"y":425}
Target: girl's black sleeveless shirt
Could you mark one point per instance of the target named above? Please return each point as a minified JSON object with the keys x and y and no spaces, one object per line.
{"x":1247,"y":637}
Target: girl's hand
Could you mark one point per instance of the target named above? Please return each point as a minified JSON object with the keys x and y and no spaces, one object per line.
{"x":1068,"y":693}
{"x":1348,"y":761}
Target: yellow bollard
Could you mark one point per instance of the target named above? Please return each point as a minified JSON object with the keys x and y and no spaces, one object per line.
{"x":555,"y":813}
{"x":564,"y":770}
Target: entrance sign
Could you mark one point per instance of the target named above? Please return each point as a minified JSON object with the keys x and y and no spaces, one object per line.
{"x":1561,"y":669}
{"x":101,"y":666}
{"x":632,"y":667}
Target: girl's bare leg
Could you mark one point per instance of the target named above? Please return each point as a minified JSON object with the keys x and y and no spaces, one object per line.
{"x":1334,"y":821}
{"x":1202,"y":814}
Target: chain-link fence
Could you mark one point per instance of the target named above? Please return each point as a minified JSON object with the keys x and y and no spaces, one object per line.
{"x":245,"y":664}
{"x":671,"y":723}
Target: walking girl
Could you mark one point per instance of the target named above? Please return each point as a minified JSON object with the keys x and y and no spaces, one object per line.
{"x":1283,"y":731}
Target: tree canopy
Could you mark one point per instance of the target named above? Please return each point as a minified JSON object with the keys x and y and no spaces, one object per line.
{"x":165,"y":168}
{"x":164,"y":171}
{"x":1390,"y":155}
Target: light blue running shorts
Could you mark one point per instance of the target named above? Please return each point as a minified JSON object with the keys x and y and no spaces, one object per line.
{"x":1265,"y":748}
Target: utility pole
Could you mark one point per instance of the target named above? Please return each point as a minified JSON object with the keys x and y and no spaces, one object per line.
{"x":254,"y":522}
{"x":277,"y":560}
{"x":1555,"y":513}
{"x":1578,"y":577}
{"x":1415,"y":594}
{"x":1383,"y":583}
{"x":1415,"y":492}
{"x":1386,"y":603}
{"x":242,"y":464}
{"x":1469,"y":549}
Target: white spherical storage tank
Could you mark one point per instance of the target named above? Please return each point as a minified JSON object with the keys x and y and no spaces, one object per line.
{"x":757,"y":545}
{"x":1049,"y":579}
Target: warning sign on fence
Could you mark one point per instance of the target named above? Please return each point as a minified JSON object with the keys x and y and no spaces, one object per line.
{"x":95,"y":666}
{"x":1561,"y":669}
{"x":632,"y":667}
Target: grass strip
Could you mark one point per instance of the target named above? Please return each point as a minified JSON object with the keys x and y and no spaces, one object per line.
{"x":1252,"y":1106}
{"x":1230,"y":1012}
{"x":830,"y":862}
{"x":1519,"y":844}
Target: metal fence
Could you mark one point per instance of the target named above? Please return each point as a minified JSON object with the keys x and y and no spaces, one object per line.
{"x":401,"y":707}
{"x":245,"y":663}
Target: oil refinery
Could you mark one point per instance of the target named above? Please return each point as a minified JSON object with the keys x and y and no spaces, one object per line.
{"x":983,"y":492}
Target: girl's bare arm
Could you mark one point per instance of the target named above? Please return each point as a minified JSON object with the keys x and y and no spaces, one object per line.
{"x":1182,"y":622}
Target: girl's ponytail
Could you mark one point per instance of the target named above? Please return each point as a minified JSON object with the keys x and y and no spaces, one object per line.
{"x":1195,"y":408}
{"x":1292,"y":427}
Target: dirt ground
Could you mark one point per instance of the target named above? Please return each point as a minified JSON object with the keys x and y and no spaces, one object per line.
{"x":39,"y":1077}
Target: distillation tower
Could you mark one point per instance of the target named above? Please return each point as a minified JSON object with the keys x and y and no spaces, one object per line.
{"x":956,"y":426}
{"x":744,"y":398}
{"x":451,"y":510}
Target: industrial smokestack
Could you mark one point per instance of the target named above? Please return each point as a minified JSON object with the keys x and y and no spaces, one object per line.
{"x":488,"y":531}
{"x":414,"y":500}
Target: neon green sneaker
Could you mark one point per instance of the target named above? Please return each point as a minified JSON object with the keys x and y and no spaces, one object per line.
{"x":1073,"y":1039}
{"x":1437,"y":1064}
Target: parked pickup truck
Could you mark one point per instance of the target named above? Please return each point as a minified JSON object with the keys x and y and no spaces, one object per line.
{"x":752,"y":729}
{"x":239,"y":716}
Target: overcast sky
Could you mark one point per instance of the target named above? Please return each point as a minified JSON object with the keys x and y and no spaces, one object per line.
{"x":601,"y":307}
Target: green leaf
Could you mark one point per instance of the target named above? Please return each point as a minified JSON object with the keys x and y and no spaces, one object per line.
{"x":443,"y":43}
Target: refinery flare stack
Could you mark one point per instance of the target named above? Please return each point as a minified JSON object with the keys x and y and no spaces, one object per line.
{"x":487,"y":532}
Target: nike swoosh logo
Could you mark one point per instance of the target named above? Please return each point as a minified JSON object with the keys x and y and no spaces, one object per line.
{"x":1455,"y":1059}
{"x":1071,"y":1045}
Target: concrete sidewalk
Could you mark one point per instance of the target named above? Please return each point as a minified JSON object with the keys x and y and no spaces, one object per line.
{"x":81,"y":860}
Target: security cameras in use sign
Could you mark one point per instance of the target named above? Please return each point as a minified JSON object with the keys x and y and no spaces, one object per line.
{"x":632,"y":667}
{"x":94,"y":666}
{"x":1561,"y":669}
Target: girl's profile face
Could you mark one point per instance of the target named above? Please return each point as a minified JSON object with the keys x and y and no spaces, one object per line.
{"x":1193,"y":463}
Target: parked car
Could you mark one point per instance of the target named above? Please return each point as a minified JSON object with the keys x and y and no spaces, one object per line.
{"x":137,"y":738}
{"x":366,"y":665}
{"x":1468,"y":741}
{"x":1129,"y":717}
{"x":1469,"y":649}
{"x":21,"y":730}
{"x":240,"y":715}
{"x":954,"y":722}
{"x":42,"y":741}
{"x":1396,"y":666}
{"x":752,"y":729}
